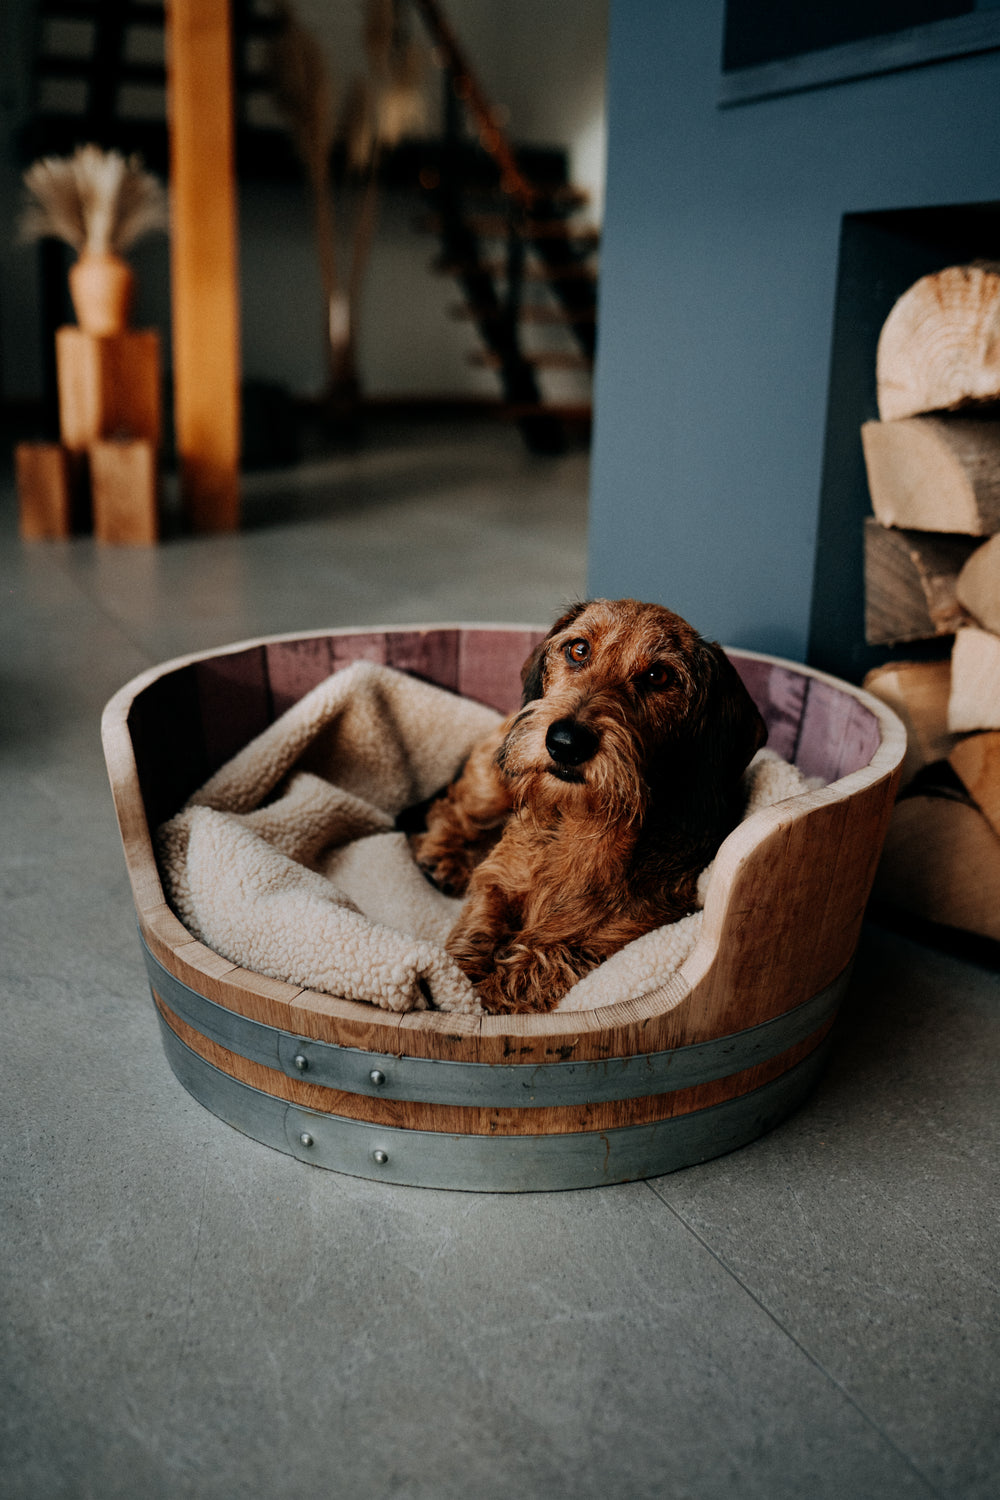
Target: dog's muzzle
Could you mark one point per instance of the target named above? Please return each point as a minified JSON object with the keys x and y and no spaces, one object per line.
{"x":570,"y":743}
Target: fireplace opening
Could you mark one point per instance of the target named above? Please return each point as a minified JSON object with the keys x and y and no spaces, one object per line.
{"x":881,"y":255}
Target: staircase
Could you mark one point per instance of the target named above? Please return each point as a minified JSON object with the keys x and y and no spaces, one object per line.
{"x":506,"y":220}
{"x":503,"y":231}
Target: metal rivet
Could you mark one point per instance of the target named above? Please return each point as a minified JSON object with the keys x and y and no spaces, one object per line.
{"x":381,"y":1157}
{"x":305,"y":1138}
{"x":301,"y":1061}
{"x":377,"y":1077}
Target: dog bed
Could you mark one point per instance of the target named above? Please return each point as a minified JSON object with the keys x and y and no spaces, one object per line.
{"x":275,"y":787}
{"x":288,"y":862}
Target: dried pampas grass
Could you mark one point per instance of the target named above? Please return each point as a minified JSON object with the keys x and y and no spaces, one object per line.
{"x":99,"y":202}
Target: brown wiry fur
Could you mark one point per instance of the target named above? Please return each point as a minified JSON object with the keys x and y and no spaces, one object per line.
{"x":566,"y":863}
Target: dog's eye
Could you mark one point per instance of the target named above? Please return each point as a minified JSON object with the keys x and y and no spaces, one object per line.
{"x":659,"y":675}
{"x":577,"y":652}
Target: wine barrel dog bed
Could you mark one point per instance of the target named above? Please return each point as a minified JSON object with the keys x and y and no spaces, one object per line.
{"x":705,"y":1060}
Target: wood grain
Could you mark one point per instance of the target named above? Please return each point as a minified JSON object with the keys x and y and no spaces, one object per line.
{"x":44,"y":490}
{"x":974,"y":701}
{"x":938,"y":349}
{"x":976,"y":762}
{"x":942,"y":863}
{"x":978,"y":585}
{"x":910,"y":583}
{"x":125,"y":491}
{"x":109,"y":386}
{"x":203,"y":261}
{"x":935,"y":473}
{"x":471,"y":1120}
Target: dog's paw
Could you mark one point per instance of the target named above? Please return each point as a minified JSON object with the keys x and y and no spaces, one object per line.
{"x":529,"y":979}
{"x":445,"y":866}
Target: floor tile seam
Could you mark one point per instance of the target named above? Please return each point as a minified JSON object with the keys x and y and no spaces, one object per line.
{"x":807,"y":1354}
{"x":90,"y":593}
{"x":118,"y":623}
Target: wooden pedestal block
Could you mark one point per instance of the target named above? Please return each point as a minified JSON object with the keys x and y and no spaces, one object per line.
{"x":47,"y":490}
{"x":124,"y":490}
{"x":109,"y":386}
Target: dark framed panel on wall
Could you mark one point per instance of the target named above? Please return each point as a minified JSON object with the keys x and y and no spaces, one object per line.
{"x":774,"y":47}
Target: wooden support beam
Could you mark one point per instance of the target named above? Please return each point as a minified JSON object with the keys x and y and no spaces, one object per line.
{"x":204,"y":277}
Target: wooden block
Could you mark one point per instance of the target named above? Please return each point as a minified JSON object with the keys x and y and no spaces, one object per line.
{"x":941,"y":862}
{"x":938,"y":348}
{"x":910,"y":581}
{"x":976,"y":762}
{"x":44,"y":490}
{"x":974,"y":701}
{"x":918,"y":691}
{"x":935,"y":473}
{"x":977,"y":587}
{"x":124,"y":487}
{"x":109,"y":386}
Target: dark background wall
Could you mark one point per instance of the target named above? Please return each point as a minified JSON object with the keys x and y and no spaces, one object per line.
{"x":719,"y":272}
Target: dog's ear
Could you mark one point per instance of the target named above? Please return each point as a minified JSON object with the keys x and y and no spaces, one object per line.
{"x":532,"y":685}
{"x":728,"y":726}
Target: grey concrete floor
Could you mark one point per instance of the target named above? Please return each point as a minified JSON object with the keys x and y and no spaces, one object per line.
{"x":189,"y":1314}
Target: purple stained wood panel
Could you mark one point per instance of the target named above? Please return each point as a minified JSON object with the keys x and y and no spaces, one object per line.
{"x":165,"y":727}
{"x":294,"y":668}
{"x":780,"y":694}
{"x":429,"y":654}
{"x":489,"y":665}
{"x":235,"y":701}
{"x":366,"y":645}
{"x":838,"y":734}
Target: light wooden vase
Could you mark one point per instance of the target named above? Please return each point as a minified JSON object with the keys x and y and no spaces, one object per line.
{"x":101,"y":286}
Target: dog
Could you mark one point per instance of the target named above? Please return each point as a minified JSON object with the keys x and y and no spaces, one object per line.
{"x":586,"y":819}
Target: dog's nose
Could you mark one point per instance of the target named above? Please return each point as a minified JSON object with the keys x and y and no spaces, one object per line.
{"x":570,"y":743}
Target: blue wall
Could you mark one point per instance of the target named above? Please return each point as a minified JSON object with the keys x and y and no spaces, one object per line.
{"x":718,"y":272}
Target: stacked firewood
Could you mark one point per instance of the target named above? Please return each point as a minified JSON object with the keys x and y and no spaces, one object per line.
{"x":932,"y":570}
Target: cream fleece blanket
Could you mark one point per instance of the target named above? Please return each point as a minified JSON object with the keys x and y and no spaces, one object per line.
{"x":287,"y":862}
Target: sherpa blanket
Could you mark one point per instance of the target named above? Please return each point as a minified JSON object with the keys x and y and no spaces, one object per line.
{"x":287,"y":861}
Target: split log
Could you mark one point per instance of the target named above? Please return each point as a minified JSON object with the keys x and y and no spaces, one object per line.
{"x":910,"y":579}
{"x":938,"y":349}
{"x":918,"y":692}
{"x":941,"y":862}
{"x":976,"y":763}
{"x":974,"y":700}
{"x":977,"y":587}
{"x":124,"y":487}
{"x":935,"y":473}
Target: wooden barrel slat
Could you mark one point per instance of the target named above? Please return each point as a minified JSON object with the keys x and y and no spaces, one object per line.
{"x":489,"y":666}
{"x":166,"y":732}
{"x":781,"y":923}
{"x":837,"y":733}
{"x":294,"y":668}
{"x":780,"y":695}
{"x":234,"y":702}
{"x":429,"y":654}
